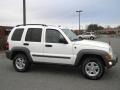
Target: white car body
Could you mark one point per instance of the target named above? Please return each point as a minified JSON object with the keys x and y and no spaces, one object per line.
{"x":61,"y":50}
{"x":47,"y":44}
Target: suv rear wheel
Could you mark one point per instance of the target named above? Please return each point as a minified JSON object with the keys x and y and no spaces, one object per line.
{"x":92,"y":68}
{"x":21,"y":63}
{"x":81,"y":38}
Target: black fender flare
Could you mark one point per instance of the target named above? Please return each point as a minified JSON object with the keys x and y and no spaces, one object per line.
{"x":22,"y":49}
{"x":83,"y":52}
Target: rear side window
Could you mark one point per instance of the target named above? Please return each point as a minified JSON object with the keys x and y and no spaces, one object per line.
{"x":17,"y":34}
{"x":34,"y":35}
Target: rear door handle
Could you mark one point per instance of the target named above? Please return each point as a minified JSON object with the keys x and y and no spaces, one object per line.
{"x":26,"y":44}
{"x":48,"y":45}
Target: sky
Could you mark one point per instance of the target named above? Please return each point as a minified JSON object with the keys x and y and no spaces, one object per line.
{"x":61,"y":12}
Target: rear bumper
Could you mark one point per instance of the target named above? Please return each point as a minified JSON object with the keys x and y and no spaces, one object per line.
{"x":8,"y":54}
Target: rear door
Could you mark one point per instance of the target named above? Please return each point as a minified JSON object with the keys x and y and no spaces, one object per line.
{"x":33,"y":41}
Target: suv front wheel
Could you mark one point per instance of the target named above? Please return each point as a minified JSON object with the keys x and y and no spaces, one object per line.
{"x":92,"y":68}
{"x":21,"y":63}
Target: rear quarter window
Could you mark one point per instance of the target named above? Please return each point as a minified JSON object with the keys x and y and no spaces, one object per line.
{"x":17,"y":34}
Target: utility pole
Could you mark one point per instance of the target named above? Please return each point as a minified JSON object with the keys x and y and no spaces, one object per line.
{"x":24,"y":12}
{"x":79,"y":18}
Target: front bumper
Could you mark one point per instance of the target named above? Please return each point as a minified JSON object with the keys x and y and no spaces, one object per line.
{"x":112,"y":62}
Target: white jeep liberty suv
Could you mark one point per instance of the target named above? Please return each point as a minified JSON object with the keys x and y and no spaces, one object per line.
{"x":39,"y":43}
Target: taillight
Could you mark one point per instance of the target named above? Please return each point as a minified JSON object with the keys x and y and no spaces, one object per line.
{"x":6,"y":46}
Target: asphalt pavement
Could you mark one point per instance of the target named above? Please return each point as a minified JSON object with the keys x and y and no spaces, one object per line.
{"x":47,"y":77}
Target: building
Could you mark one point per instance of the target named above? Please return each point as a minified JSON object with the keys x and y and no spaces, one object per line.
{"x":5,"y":30}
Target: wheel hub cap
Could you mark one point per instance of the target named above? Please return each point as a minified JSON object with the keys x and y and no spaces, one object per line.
{"x":92,"y":68}
{"x":20,"y":63}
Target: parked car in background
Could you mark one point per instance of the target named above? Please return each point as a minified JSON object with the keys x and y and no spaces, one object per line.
{"x":87,"y":35}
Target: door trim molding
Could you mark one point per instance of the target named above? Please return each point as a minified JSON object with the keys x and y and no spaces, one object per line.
{"x":35,"y":55}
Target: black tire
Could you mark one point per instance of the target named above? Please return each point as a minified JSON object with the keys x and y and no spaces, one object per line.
{"x":92,"y":73}
{"x":81,"y":38}
{"x":92,"y":38}
{"x":25,"y":66}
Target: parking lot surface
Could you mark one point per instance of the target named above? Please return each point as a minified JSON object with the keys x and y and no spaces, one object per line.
{"x":47,"y":77}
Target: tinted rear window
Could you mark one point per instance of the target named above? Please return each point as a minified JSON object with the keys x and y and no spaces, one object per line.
{"x":17,"y":34}
{"x":34,"y":35}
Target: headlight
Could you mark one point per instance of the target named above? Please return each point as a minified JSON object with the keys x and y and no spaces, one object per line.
{"x":111,"y":51}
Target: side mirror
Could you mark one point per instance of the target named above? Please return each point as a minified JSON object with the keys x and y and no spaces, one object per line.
{"x":62,"y":40}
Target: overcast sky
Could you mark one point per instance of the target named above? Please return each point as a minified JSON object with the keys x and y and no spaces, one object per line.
{"x":61,"y":12}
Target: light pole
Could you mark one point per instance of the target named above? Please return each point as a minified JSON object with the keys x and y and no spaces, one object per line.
{"x":79,"y":11}
{"x":24,"y":12}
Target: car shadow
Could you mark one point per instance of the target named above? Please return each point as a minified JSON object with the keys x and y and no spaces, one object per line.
{"x":62,"y":71}
{"x":56,"y":70}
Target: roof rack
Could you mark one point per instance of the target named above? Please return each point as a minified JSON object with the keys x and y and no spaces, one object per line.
{"x":31,"y":24}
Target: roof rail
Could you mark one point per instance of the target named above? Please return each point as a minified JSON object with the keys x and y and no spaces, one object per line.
{"x":31,"y":24}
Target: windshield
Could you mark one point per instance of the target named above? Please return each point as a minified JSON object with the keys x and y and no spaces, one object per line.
{"x":71,"y":35}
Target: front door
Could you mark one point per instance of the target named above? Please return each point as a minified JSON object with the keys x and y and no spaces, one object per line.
{"x":55,"y":50}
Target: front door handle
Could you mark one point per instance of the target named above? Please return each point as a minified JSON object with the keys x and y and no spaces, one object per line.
{"x":48,"y":45}
{"x":26,"y":44}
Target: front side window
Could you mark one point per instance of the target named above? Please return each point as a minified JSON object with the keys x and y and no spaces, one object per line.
{"x":17,"y":34}
{"x":53,"y":36}
{"x":71,"y":35}
{"x":34,"y":35}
